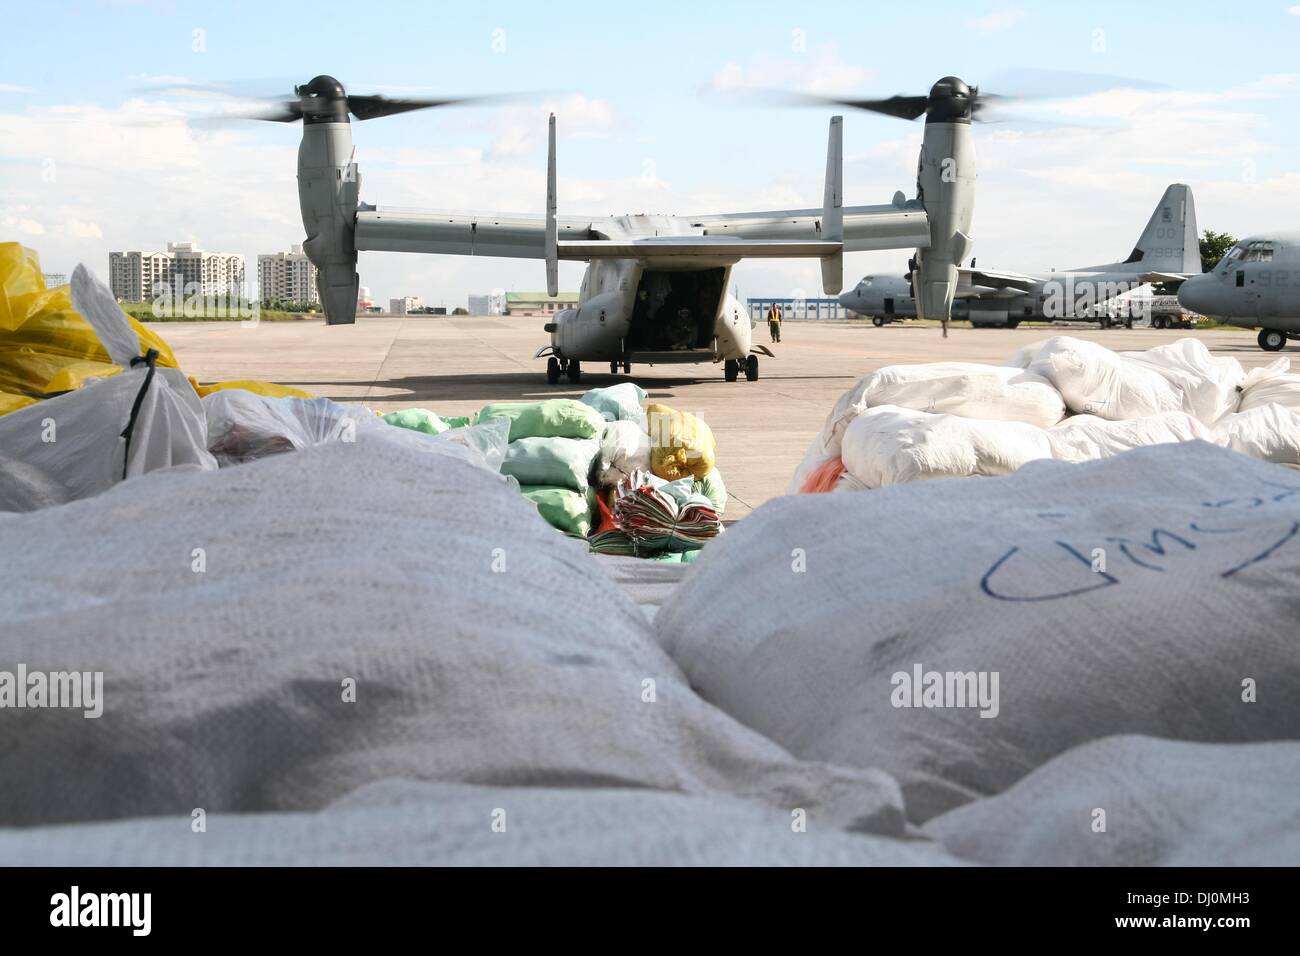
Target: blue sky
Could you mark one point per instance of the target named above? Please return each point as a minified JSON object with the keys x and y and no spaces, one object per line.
{"x":650,"y":120}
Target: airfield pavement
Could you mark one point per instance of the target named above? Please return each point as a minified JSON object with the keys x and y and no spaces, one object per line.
{"x":457,"y":364}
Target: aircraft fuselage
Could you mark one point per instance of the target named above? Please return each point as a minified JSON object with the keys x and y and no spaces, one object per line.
{"x":1256,"y":285}
{"x":1053,"y":295}
{"x":650,"y":310}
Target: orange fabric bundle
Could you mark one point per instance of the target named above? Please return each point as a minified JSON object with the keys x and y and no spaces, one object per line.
{"x":823,"y":477}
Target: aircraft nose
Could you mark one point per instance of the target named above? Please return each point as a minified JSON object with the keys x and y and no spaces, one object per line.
{"x":848,"y":298}
{"x":1197,"y":294}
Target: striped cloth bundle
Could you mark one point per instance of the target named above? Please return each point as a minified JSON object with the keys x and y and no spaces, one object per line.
{"x":660,"y":515}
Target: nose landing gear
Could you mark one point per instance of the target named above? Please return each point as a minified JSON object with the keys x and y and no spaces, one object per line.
{"x":569,"y":368}
{"x":731,"y":368}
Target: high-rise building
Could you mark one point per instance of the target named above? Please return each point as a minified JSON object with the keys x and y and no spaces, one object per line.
{"x":493,"y":303}
{"x":405,"y":305}
{"x":287,"y":276}
{"x":184,"y":267}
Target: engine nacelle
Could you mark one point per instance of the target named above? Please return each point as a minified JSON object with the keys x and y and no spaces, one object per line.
{"x":328,"y":186}
{"x":595,"y":330}
{"x":945,"y":184}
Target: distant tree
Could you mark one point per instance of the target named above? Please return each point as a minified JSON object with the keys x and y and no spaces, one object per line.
{"x":1214,"y":246}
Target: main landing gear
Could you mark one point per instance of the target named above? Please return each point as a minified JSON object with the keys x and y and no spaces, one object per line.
{"x":570,"y":368}
{"x":731,"y":368}
{"x":614,"y":368}
{"x":1271,"y":340}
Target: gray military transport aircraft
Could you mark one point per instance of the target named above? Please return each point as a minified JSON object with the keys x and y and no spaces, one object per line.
{"x":655,"y":290}
{"x":1255,"y":285}
{"x":1168,"y":250}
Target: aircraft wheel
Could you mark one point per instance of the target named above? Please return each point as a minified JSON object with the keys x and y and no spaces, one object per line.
{"x":613,"y":368}
{"x":877,"y":321}
{"x":627,"y":368}
{"x":575,"y":372}
{"x":730,"y":370}
{"x":1271,"y":340}
{"x":1128,"y":323}
{"x":552,"y":371}
{"x":751,"y":368}
{"x":1012,"y":323}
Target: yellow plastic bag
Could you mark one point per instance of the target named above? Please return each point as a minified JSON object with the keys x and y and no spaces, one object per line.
{"x":269,"y":389}
{"x":46,"y":347}
{"x":681,"y":445}
{"x":11,"y":403}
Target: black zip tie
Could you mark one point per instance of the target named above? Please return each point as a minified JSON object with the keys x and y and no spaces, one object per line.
{"x":150,"y":359}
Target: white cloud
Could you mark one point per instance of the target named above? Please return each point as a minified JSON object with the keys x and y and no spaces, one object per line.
{"x":1139,"y":105}
{"x":520,"y":129}
{"x":999,"y":21}
{"x":1294,"y":11}
{"x":161,"y":79}
{"x":83,"y":230}
{"x":820,"y":70}
{"x":28,"y":227}
{"x":15,"y":88}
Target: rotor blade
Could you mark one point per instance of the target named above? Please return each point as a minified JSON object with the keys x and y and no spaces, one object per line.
{"x":285,"y":111}
{"x":903,"y":107}
{"x":1064,"y":84}
{"x":373,"y":107}
{"x":992,"y":108}
{"x":241,"y":89}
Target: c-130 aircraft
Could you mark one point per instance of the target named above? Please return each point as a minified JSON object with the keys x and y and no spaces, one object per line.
{"x":1256,"y":285}
{"x":655,"y":287}
{"x":1168,"y":250}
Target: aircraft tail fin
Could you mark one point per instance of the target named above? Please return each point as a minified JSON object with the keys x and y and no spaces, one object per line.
{"x":833,"y":208}
{"x":1170,"y":242}
{"x":552,"y":230}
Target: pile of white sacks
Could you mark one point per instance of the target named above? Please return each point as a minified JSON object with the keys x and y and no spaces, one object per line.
{"x":1063,"y":398}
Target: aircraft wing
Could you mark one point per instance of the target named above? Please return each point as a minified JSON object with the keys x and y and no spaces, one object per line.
{"x":514,"y":236}
{"x":524,"y":237}
{"x":1011,"y":282}
{"x":722,"y":247}
{"x":987,"y":292}
{"x":1165,"y":276}
{"x":866,"y":228}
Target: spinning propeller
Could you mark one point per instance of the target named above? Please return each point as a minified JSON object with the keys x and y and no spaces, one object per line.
{"x":324,"y":100}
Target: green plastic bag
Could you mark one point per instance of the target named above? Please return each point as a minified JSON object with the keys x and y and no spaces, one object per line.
{"x":553,"y":418}
{"x":678,"y":557}
{"x":711,"y":487}
{"x":419,"y":420}
{"x":558,"y":462}
{"x":563,"y":508}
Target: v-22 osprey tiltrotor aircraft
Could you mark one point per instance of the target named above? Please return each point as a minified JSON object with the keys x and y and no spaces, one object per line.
{"x":655,"y":289}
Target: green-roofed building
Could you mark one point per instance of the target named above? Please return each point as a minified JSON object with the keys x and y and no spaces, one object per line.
{"x":539,"y":303}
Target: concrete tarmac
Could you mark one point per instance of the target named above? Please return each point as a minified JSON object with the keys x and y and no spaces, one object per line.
{"x":455,"y":365}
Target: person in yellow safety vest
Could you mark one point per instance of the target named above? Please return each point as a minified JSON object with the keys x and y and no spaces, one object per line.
{"x":774,"y":322}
